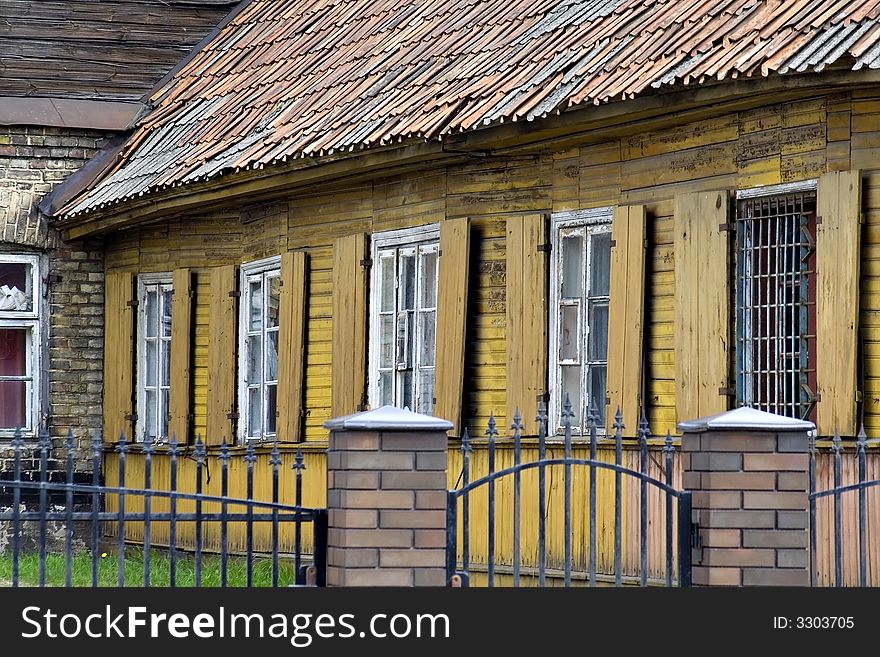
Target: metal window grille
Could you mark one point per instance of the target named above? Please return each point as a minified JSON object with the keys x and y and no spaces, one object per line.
{"x":774,"y":309}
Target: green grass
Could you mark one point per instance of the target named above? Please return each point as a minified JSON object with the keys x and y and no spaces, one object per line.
{"x":81,"y":570}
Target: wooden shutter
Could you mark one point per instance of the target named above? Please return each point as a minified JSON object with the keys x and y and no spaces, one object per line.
{"x":221,"y":357}
{"x":181,"y":355}
{"x":452,"y":293}
{"x":702,"y":298}
{"x":348,"y":358}
{"x":118,"y":356}
{"x":625,"y":317}
{"x":838,"y":202}
{"x":526,"y":317}
{"x":291,"y":347}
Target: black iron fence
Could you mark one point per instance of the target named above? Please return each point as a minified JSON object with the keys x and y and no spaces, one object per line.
{"x":81,"y":508}
{"x":842,"y":496}
{"x":677,"y":504}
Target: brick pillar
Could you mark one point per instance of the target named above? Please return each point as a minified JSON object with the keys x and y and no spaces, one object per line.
{"x":386,"y":497}
{"x":749,"y":474}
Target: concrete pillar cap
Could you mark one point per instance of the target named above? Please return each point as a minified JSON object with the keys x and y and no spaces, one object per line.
{"x":745,"y":418}
{"x":388,"y":418}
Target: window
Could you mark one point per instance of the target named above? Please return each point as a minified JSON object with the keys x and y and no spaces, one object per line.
{"x":20,"y":340}
{"x":775,"y":299}
{"x":580,"y":281}
{"x":153,"y":356}
{"x":403,"y":318}
{"x":259,"y":321}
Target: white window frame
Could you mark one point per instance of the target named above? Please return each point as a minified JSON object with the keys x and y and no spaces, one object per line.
{"x":263,"y":269}
{"x":34,"y":321}
{"x":417,"y":237}
{"x":160,"y":281}
{"x":595,"y":221}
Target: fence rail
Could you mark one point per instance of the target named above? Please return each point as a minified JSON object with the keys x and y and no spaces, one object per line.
{"x":106,"y":509}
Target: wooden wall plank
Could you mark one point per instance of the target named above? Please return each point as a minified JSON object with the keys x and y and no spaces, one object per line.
{"x":452,"y":315}
{"x":179,"y":412}
{"x":625,"y":317}
{"x":222,"y":338}
{"x":348,"y":359}
{"x":291,"y":348}
{"x":527,"y":314}
{"x":118,"y":355}
{"x":702,"y":313}
{"x":838,"y":237}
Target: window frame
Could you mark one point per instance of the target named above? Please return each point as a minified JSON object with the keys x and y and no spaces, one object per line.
{"x":264,"y":268}
{"x":160,"y":281}
{"x":808,"y":362}
{"x":34,"y":321}
{"x":415,"y":237}
{"x":594,"y":221}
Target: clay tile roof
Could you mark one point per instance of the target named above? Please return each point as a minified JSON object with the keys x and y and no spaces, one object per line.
{"x":300,"y":78}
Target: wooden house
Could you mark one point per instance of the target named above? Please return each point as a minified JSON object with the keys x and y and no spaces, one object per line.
{"x":468,"y":209}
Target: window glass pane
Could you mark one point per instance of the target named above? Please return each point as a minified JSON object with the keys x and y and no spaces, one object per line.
{"x":272,"y":356}
{"x":151,"y":364}
{"x":166,"y":313}
{"x":569,"y":337}
{"x":15,"y":284}
{"x":427,"y":337}
{"x":598,"y":331}
{"x":600,"y":264}
{"x":406,"y":390}
{"x":429,"y":280}
{"x":386,"y":341}
{"x":571,"y":386}
{"x":152,"y":311}
{"x":386,"y":283}
{"x":164,"y":417}
{"x":271,"y":406}
{"x":13,"y":405}
{"x":254,"y":359}
{"x":14,"y":352}
{"x":597,"y":390}
{"x":274,"y":283}
{"x":386,"y":389}
{"x":256,"y":305}
{"x":152,"y":401}
{"x":166,"y":363}
{"x":402,"y":353}
{"x":572,"y":265}
{"x":426,"y":392}
{"x":255,"y":414}
{"x":407,"y":281}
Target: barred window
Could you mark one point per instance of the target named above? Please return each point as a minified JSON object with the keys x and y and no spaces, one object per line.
{"x":775,"y":302}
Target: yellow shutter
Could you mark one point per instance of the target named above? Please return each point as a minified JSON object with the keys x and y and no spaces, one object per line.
{"x":452,"y":286}
{"x":838,"y":201}
{"x":181,"y":355}
{"x":702,"y":312}
{"x":291,"y":348}
{"x":526,"y":317}
{"x":221,"y":357}
{"x":625,"y":317}
{"x":348,"y":357}
{"x":118,"y":359}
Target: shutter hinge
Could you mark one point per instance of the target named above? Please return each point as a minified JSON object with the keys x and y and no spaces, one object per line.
{"x":613,"y":243}
{"x":235,"y":294}
{"x":861,"y":217}
{"x":232,"y":415}
{"x":363,"y":407}
{"x":546,"y":248}
{"x":132,"y":304}
{"x":366,"y":263}
{"x":728,"y":391}
{"x":130,"y":417}
{"x":859,"y":396}
{"x":818,"y":220}
{"x":544,"y":397}
{"x":729,"y":227}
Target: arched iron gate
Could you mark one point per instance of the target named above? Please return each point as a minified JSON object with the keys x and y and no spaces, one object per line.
{"x":677,"y":505}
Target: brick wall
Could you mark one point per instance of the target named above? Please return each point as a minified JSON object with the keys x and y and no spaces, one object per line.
{"x":32,"y":161}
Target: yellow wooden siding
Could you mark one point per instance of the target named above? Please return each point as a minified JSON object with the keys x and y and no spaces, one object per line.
{"x":838,"y":237}
{"x":118,"y":356}
{"x":702,"y":308}
{"x":349,"y":350}
{"x":291,"y":346}
{"x":625,"y":318}
{"x":415,"y":199}
{"x":222,"y":340}
{"x":201,"y":315}
{"x":452,"y":315}
{"x":181,"y":355}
